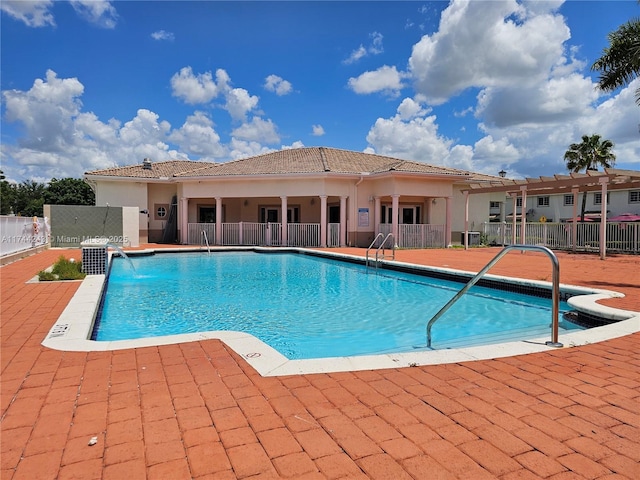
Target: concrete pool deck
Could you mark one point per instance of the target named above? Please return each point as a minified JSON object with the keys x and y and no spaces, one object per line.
{"x":198,"y":410}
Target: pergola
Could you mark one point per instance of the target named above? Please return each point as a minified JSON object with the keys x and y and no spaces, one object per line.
{"x":609,"y":179}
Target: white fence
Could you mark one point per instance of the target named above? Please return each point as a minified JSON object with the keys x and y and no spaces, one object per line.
{"x":417,"y":235}
{"x":622,"y":237}
{"x":22,"y":233}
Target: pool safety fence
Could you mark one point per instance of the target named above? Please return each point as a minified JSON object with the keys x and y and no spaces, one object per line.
{"x":22,"y":233}
{"x":622,"y":237}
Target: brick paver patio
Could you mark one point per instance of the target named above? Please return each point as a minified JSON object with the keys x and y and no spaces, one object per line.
{"x":197,"y":410}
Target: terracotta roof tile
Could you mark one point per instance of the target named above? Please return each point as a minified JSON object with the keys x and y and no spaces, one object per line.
{"x":157,"y":170}
{"x":290,"y":161}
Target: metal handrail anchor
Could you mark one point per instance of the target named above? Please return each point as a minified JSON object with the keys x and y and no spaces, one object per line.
{"x":555,"y":292}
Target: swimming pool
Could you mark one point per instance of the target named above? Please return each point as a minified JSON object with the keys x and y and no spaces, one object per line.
{"x":306,"y":306}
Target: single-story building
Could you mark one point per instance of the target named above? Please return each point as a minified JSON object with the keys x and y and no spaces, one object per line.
{"x":314,"y":196}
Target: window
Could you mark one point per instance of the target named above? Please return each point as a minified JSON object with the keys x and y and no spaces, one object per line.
{"x":161,"y":211}
{"x":597,"y":198}
{"x":519,"y":202}
{"x":543,"y":201}
{"x":494,"y":204}
{"x":634,"y":196}
{"x":568,"y":199}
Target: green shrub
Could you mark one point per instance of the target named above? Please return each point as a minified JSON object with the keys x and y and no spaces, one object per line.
{"x":63,"y":269}
{"x":45,"y":276}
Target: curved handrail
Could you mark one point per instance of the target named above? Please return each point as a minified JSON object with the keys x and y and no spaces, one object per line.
{"x":370,"y":247}
{"x":555,"y":292}
{"x":381,"y":247}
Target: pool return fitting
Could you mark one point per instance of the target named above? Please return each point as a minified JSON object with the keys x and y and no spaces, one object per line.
{"x":555,"y":292}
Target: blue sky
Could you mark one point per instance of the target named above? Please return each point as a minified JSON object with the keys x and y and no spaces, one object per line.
{"x":482,"y":86}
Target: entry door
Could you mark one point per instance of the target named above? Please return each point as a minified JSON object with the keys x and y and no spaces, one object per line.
{"x":410,"y":215}
{"x":334,"y":214}
{"x":269,"y":215}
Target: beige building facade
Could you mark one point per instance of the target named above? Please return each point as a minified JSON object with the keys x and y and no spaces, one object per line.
{"x":296,"y":197}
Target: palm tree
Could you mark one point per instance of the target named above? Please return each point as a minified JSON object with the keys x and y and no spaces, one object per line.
{"x":589,"y":155}
{"x":620,"y":62}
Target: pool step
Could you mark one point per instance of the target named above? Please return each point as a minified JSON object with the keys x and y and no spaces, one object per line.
{"x":515,"y":335}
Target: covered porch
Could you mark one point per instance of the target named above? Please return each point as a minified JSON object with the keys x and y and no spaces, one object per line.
{"x":313,"y":221}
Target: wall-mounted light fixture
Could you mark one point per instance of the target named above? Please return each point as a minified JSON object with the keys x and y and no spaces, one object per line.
{"x":502,"y":173}
{"x":312,"y":201}
{"x":246,"y":202}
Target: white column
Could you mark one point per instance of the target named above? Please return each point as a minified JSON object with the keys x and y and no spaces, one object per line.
{"x":285,"y":228}
{"x":514,"y":197}
{"x":323,"y":220}
{"x":574,"y":224}
{"x":466,"y":220}
{"x":184,"y":220}
{"x":218,"y":220}
{"x":523,"y":216}
{"x":395,"y":207}
{"x":448,"y":221}
{"x":343,"y":221}
{"x":603,"y":219}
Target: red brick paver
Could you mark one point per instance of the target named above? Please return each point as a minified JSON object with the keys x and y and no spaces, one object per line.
{"x":199,"y":411}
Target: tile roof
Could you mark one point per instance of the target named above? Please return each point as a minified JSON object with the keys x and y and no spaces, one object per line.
{"x":157,"y":170}
{"x":291,"y":161}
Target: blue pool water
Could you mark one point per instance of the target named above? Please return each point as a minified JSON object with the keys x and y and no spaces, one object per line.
{"x":306,"y":306}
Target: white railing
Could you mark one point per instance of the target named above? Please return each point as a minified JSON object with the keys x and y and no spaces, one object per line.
{"x":333,"y":235}
{"x":303,"y":234}
{"x":621,"y":236}
{"x":194,"y":233}
{"x":422,"y":235}
{"x":22,"y":233}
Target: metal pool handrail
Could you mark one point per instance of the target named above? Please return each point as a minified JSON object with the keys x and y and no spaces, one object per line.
{"x":555,"y":292}
{"x":393,"y":247}
{"x":206,"y":240}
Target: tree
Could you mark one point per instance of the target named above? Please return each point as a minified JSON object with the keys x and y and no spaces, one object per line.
{"x":69,"y":191}
{"x":589,"y":155}
{"x":29,"y":198}
{"x":7,"y":195}
{"x":620,"y":62}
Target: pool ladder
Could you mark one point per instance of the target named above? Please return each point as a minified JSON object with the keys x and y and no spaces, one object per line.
{"x":380,"y":250}
{"x":555,"y":292}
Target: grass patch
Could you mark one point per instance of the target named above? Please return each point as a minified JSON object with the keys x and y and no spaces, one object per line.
{"x":63,"y":269}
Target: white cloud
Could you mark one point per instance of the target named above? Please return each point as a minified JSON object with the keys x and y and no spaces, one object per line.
{"x":488,"y":44}
{"x":194,"y":89}
{"x":317,"y":130}
{"x":274,"y":83}
{"x":98,"y":12}
{"x":242,"y":148}
{"x":239,"y":103}
{"x":163,"y":35}
{"x":410,"y":137}
{"x":374,"y":48}
{"x":197,"y":136}
{"x":258,"y":130}
{"x":385,"y":79}
{"x":33,"y":13}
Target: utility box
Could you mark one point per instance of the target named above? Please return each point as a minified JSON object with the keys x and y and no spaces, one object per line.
{"x":474,"y":238}
{"x":95,"y":256}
